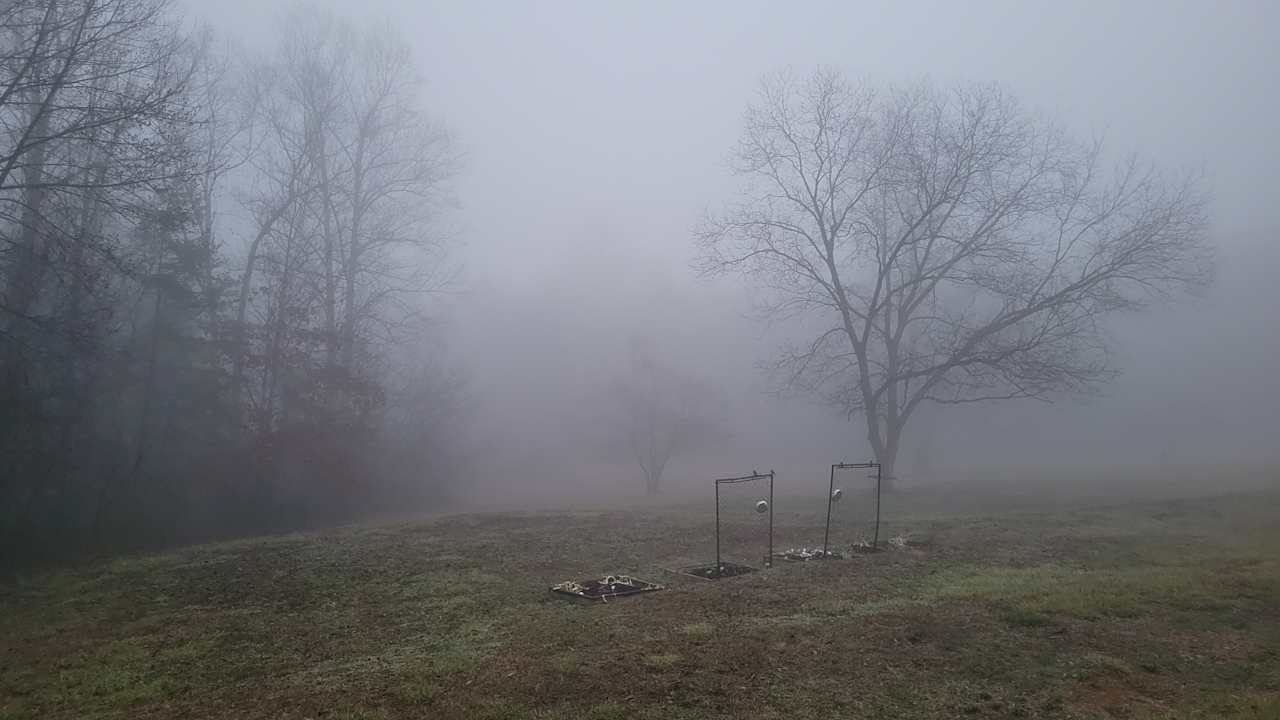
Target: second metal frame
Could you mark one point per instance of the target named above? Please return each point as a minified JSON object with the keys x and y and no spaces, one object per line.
{"x":826,"y":535}
{"x":745,"y":478}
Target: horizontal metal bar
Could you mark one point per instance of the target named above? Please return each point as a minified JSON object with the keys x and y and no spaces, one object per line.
{"x":745,"y":478}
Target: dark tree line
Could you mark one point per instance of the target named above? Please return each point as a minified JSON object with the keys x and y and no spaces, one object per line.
{"x":215,"y":275}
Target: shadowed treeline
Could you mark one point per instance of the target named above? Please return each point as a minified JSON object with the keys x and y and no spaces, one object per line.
{"x":212,"y":279}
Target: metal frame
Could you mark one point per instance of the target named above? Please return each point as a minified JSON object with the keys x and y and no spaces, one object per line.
{"x":831,"y":488}
{"x":755,"y":475}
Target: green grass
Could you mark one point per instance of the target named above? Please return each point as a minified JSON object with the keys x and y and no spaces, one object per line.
{"x":699,"y":630}
{"x":1239,"y":706}
{"x":361,"y":715}
{"x":1146,"y":609}
{"x":665,"y":661}
{"x":609,"y":711}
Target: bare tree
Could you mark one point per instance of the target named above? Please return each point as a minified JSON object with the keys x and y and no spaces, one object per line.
{"x":82,"y":84}
{"x":345,"y":186}
{"x":663,"y":414}
{"x":92,"y":98}
{"x":357,"y":172}
{"x":943,"y":245}
{"x":282,"y":184}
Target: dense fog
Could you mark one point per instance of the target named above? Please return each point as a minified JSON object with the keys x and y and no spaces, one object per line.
{"x":596,"y":136}
{"x":400,"y":257}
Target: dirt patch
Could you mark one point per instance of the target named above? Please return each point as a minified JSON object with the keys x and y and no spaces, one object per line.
{"x":711,"y":572}
{"x":604,"y":589}
{"x":807,"y":554}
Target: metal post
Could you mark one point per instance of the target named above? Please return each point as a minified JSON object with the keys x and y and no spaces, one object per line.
{"x":717,"y":529}
{"x":875,"y":542}
{"x":831,"y":489}
{"x":769,"y":558}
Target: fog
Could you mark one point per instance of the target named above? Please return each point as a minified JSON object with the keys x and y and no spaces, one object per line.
{"x":271,"y":265}
{"x":595,"y":134}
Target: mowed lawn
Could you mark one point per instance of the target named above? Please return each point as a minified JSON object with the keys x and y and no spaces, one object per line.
{"x":1146,"y":609}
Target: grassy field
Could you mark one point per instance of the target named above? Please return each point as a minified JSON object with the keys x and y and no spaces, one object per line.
{"x":1145,"y":609}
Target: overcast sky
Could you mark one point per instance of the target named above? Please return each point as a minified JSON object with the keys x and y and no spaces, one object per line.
{"x":595,"y":132}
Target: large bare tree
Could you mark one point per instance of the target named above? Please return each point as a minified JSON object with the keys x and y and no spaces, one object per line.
{"x":350,"y":178}
{"x":943,"y":244}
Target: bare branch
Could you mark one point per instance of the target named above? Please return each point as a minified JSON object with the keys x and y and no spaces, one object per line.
{"x":966,"y":249}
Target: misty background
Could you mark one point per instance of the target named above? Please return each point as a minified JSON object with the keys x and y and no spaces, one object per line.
{"x":585,"y":141}
{"x":595,"y":134}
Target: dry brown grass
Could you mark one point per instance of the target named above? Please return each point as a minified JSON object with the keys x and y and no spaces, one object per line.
{"x":1152,"y":609}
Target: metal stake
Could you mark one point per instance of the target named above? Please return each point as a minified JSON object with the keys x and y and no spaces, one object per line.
{"x":831,"y":489}
{"x":769,"y":558}
{"x":718,"y":567}
{"x":875,"y":542}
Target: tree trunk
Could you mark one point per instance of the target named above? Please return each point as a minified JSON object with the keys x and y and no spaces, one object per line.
{"x":327,"y":222}
{"x":31,"y":249}
{"x":652,"y":482}
{"x":353,"y":257}
{"x":239,"y":348}
{"x":888,"y":458}
{"x":888,"y":481}
{"x":885,"y":451}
